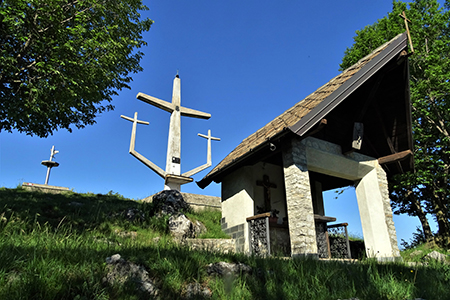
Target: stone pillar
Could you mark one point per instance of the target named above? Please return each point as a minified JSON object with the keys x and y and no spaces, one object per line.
{"x":379,"y":233}
{"x":299,"y":201}
{"x":383,"y":184}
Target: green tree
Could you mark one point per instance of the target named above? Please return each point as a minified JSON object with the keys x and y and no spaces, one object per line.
{"x":61,"y":59}
{"x":427,"y":190}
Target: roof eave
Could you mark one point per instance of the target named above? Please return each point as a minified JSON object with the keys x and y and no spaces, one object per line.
{"x":340,"y":94}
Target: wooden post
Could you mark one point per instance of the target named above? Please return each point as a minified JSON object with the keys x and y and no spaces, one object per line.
{"x":403,"y":16}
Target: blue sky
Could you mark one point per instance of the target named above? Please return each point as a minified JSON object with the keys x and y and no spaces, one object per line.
{"x":244,"y":62}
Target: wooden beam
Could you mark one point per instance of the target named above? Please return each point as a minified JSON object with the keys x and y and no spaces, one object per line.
{"x":387,"y":137}
{"x":323,"y":219}
{"x":394,"y":157}
{"x":264,"y":215}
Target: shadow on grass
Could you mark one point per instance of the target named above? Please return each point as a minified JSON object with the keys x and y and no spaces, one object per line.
{"x":312,"y":279}
{"x":82,"y":211}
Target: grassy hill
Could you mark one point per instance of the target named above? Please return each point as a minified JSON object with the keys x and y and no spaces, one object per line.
{"x":55,"y":246}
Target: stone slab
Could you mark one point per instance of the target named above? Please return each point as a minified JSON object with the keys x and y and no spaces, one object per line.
{"x":45,"y":188}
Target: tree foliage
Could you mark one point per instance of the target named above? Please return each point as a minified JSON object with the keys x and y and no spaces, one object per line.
{"x":427,"y":190}
{"x":61,"y":59}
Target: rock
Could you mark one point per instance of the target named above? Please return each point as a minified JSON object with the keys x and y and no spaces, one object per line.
{"x":132,"y":214}
{"x":223,"y":268}
{"x":182,"y":228}
{"x":194,"y":290}
{"x":120,"y":271}
{"x":113,"y":259}
{"x":169,"y":202}
{"x":199,"y":228}
{"x":436,"y":256}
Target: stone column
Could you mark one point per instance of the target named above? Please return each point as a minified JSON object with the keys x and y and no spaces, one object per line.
{"x":383,"y":184}
{"x":379,"y":232}
{"x":299,"y":201}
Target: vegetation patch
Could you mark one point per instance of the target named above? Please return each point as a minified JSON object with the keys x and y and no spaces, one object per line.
{"x":55,"y":247}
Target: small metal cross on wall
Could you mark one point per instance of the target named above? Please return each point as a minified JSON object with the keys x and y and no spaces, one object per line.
{"x":266,"y":184}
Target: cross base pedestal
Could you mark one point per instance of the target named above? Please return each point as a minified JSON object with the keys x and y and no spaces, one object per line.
{"x":174,"y":182}
{"x":49,"y":163}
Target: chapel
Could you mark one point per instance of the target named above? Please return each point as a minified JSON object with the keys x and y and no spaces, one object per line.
{"x":354,"y":130}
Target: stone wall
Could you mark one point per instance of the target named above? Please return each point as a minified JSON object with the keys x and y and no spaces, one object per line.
{"x":201,"y":202}
{"x":197,"y":202}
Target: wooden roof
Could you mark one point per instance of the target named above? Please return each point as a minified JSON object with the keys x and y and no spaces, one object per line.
{"x":304,"y":115}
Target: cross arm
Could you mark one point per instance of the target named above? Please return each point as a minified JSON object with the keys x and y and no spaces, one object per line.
{"x":208,"y":136}
{"x":164,"y":105}
{"x":132,"y":120}
{"x":148,"y":163}
{"x":188,"y":112}
{"x":208,"y":155}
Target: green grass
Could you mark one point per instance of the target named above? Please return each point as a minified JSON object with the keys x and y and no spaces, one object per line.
{"x":416,"y":254}
{"x":52,"y":250}
{"x":211,"y":219}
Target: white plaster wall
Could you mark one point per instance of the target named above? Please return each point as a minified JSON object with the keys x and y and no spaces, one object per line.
{"x":237,"y":199}
{"x":241,"y":194}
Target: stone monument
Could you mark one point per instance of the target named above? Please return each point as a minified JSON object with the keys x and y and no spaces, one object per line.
{"x":173,"y":178}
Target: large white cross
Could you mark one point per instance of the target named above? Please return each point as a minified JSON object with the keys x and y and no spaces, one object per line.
{"x":172,"y":175}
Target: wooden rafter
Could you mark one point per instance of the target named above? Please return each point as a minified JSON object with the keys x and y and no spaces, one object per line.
{"x":396,"y":157}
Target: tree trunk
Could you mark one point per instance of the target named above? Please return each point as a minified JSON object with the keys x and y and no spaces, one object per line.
{"x":423,"y":220}
{"x":443,"y":222}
